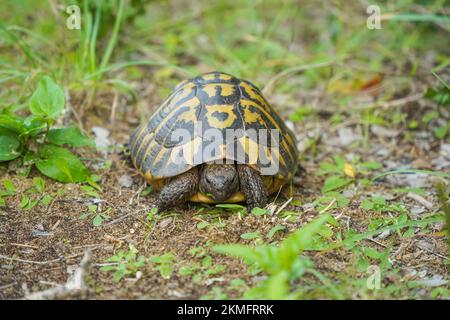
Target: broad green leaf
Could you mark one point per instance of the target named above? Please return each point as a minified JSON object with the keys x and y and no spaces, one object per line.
{"x":33,"y":125}
{"x":333,"y":183}
{"x":71,"y":136}
{"x":60,"y":164}
{"x":9,"y":186}
{"x":48,"y":99}
{"x":11,"y":123}
{"x":259,"y":211}
{"x":9,"y":146}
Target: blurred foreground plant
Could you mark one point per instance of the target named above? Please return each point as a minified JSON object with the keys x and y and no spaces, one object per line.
{"x":282,"y":263}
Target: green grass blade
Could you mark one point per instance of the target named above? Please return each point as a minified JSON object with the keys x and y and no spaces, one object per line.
{"x":401,"y":171}
{"x":113,"y":40}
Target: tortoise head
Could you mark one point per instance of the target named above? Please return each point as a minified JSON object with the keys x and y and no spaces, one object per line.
{"x":219,"y":181}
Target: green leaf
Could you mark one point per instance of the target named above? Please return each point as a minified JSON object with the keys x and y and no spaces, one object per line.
{"x":90,"y":191}
{"x":440,"y":95}
{"x":441,"y":132}
{"x":186,"y":271}
{"x":250,"y":235}
{"x":237,"y":250}
{"x":25,"y":201}
{"x":9,"y":145}
{"x":46,"y":200}
{"x":230,"y":206}
{"x":278,"y":285}
{"x":39,"y":184}
{"x":275,"y":229}
{"x":71,"y":136}
{"x":202,"y":225}
{"x":9,"y":186}
{"x":207,"y":262}
{"x":372,"y":253}
{"x":371,"y":165}
{"x":299,"y":241}
{"x":333,"y":183}
{"x":430,"y":115}
{"x":33,"y":125}
{"x":48,"y":99}
{"x":259,"y":211}
{"x":61,"y":164}
{"x":98,"y":219}
{"x":12,"y":123}
{"x":366,"y":204}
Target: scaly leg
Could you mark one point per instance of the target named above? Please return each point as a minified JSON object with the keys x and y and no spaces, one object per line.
{"x":178,"y":190}
{"x":251,"y":184}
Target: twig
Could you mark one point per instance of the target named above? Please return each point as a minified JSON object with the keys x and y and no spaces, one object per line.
{"x":401,"y":101}
{"x":122,"y":217}
{"x":283,"y":206}
{"x":378,"y":243}
{"x":328,"y":206}
{"x":6,"y":286}
{"x":24,"y":245}
{"x":39,"y":262}
{"x":114,"y":107}
{"x":295,"y":69}
{"x":75,"y":283}
{"x":427,"y":204}
{"x":137,"y":193}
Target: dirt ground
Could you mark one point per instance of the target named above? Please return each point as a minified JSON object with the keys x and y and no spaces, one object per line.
{"x":39,"y":248}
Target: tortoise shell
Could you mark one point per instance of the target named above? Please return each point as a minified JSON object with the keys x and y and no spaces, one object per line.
{"x":227,"y":105}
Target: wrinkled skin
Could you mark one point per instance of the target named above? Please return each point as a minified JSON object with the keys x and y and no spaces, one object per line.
{"x":219,"y":181}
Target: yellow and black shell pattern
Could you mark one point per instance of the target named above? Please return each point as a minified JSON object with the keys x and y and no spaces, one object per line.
{"x":220,"y":102}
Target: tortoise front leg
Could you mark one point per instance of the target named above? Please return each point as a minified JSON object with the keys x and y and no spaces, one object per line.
{"x":178,"y":190}
{"x":251,"y":184}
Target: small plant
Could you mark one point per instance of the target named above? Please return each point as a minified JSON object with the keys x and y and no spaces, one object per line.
{"x":125,"y":263}
{"x":379,"y":204}
{"x":30,"y":197}
{"x":9,"y":190}
{"x":203,"y":269}
{"x":164,"y":264}
{"x":282,"y":263}
{"x":33,"y":140}
{"x":97,"y":216}
{"x":342,"y":173}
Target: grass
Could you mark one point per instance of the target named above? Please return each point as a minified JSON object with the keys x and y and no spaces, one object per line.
{"x":322,"y":69}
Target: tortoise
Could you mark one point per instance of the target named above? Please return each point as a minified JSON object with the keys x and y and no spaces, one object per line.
{"x":233,"y":171}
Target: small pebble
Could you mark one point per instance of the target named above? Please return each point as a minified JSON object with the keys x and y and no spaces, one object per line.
{"x":125,"y":181}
